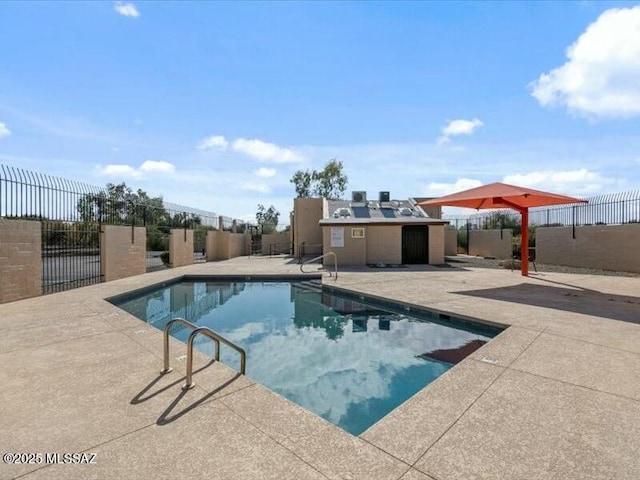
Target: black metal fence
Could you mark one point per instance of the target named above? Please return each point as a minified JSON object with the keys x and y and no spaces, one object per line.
{"x":611,"y":209}
{"x":72,"y":214}
{"x":70,"y":255}
{"x":306,"y":250}
{"x":281,"y":248}
{"x":200,"y":245}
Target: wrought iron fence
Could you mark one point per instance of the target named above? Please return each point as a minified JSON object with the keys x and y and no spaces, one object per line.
{"x":611,"y":209}
{"x":72,"y":214}
{"x":226,"y":223}
{"x":70,"y":255}
{"x":157,"y":249}
{"x":200,"y":245}
{"x":306,"y":250}
{"x":282,"y":248}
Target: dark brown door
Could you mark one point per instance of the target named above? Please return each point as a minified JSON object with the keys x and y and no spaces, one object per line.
{"x":415,"y":244}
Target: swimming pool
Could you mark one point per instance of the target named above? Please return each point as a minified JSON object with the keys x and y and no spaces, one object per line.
{"x":349,"y":359}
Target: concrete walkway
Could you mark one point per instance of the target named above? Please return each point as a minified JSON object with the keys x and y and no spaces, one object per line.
{"x":555,"y":396}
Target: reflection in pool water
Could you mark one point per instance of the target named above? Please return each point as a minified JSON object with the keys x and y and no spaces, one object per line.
{"x":348,"y":361}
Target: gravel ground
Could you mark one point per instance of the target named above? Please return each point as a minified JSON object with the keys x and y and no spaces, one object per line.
{"x":480,"y":262}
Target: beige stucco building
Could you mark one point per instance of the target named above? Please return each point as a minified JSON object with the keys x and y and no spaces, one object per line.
{"x":361,"y":232}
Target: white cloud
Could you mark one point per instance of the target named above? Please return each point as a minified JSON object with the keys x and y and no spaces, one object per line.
{"x":354,"y":373}
{"x":259,"y":187}
{"x":4,"y":131}
{"x":436,"y":189}
{"x":265,"y":172}
{"x":570,"y":182}
{"x":118,"y":170}
{"x":265,"y":151}
{"x":458,"y":127}
{"x":148,"y":166}
{"x":214,"y":142}
{"x":126,"y":9}
{"x":461,"y":127}
{"x":601,"y":77}
{"x":580,"y":181}
{"x":153,"y":166}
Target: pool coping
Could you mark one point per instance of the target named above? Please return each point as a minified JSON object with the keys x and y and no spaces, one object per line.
{"x":120,"y":297}
{"x":412,"y":308}
{"x":382,"y":302}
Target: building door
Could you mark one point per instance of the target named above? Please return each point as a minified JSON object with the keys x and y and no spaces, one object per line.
{"x":415,"y":244}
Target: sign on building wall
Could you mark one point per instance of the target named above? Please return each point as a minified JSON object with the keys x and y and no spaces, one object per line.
{"x":357,"y":232}
{"x":337,"y":236}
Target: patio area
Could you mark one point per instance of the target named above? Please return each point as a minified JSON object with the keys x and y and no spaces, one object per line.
{"x":555,"y":396}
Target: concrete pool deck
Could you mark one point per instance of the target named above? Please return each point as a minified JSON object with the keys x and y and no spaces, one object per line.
{"x":555,"y":396}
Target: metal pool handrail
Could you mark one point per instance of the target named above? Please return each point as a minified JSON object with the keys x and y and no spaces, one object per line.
{"x":165,"y":334}
{"x":217,"y":339}
{"x":335,"y":263}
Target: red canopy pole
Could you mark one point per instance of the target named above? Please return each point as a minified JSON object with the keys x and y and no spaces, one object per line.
{"x":524,"y":243}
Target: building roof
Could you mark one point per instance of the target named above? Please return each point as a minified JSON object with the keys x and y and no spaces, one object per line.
{"x":399,"y":212}
{"x":383,"y":221}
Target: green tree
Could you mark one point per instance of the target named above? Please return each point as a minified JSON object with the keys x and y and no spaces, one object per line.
{"x":185,"y":220}
{"x":267,"y":219}
{"x":330,"y":182}
{"x":120,"y":205}
{"x":302,"y":183}
{"x":502,"y":220}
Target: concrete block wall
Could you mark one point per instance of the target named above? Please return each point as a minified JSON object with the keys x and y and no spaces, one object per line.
{"x":490,"y":243}
{"x":307,"y":212}
{"x":239,"y":244}
{"x":450,"y":241}
{"x":281,"y":240}
{"x":384,"y":244}
{"x":180,"y":247}
{"x":20,"y":259}
{"x":211,"y":245}
{"x":436,"y":244}
{"x":225,"y":245}
{"x":123,"y":252}
{"x":381,"y":243}
{"x":354,"y":251}
{"x":606,"y":247}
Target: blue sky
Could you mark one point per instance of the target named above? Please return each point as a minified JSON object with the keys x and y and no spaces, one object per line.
{"x":215,"y":105}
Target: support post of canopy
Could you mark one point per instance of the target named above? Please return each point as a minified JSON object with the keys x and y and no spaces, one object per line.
{"x":524,"y":243}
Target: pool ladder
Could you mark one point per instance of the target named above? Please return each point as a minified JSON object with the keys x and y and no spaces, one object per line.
{"x":207,"y":332}
{"x":335,"y":264}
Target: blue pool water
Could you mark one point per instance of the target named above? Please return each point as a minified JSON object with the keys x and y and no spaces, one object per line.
{"x":349,"y":360}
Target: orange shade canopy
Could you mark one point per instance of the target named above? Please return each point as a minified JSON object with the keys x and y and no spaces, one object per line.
{"x":501,"y":195}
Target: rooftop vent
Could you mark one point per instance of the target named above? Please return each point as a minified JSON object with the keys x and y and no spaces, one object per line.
{"x":359,"y":197}
{"x":342,"y":212}
{"x":407,"y":212}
